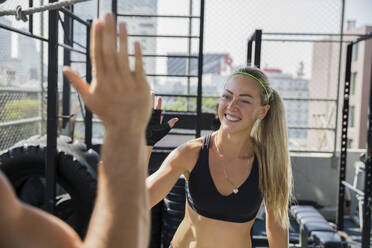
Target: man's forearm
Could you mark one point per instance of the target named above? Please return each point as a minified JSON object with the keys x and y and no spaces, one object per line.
{"x":122,"y":200}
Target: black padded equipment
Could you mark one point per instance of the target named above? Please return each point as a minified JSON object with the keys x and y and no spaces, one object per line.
{"x":327,"y":239}
{"x":317,"y":226}
{"x":313,"y":224}
{"x":295,"y":210}
{"x":308,"y":215}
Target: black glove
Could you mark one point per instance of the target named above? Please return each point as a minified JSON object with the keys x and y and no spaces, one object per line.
{"x":155,"y":130}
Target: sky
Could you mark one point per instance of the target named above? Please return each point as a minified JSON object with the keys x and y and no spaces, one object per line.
{"x":229,"y":23}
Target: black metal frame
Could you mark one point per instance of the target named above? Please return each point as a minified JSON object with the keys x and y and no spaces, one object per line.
{"x":52,"y":107}
{"x":88,"y":113}
{"x":198,"y":96}
{"x":255,"y":39}
{"x":69,"y":30}
{"x":366,"y":234}
{"x":255,"y":42}
{"x":366,"y":231}
{"x":52,"y":102}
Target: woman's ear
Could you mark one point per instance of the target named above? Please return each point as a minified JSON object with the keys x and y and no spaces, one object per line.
{"x":263,"y":111}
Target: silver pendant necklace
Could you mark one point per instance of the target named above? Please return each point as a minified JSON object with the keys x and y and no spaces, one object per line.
{"x":235,"y":188}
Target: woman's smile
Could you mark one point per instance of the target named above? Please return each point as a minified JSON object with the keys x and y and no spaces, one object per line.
{"x":232,"y":118}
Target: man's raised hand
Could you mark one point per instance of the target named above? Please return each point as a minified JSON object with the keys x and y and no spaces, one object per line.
{"x":120,"y":97}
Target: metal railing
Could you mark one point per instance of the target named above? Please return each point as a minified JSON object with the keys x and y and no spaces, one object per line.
{"x":254,"y":50}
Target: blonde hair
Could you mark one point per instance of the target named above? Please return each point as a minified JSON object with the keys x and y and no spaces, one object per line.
{"x":270,"y":140}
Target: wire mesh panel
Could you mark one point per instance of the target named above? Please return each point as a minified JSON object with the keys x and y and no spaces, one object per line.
{"x":20,"y":77}
{"x":303,"y":68}
{"x":24,"y":65}
{"x":19,"y":115}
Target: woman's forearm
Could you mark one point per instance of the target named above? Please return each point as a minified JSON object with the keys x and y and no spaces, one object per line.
{"x":149,"y":151}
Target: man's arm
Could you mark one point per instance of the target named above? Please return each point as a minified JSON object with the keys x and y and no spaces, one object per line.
{"x":26,"y":226}
{"x":121,"y":99}
{"x":121,"y":213}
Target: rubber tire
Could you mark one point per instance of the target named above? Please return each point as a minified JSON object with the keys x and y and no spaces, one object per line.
{"x":156,"y":160}
{"x":173,"y":211}
{"x":27,"y":159}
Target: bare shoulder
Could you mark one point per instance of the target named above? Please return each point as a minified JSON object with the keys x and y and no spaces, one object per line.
{"x":186,"y":155}
{"x":190,"y":147}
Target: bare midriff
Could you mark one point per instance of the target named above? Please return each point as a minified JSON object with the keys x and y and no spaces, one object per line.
{"x":196,"y":231}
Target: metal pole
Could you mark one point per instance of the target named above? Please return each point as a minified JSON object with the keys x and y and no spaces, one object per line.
{"x":66,"y":99}
{"x":88,"y":113}
{"x":42,"y":94}
{"x":50,"y":165}
{"x":339,"y":74}
{"x":249,"y":53}
{"x":257,"y":48}
{"x":114,"y":8}
{"x":345,"y":119}
{"x":30,"y":17}
{"x":189,"y":54}
{"x":98,"y":6}
{"x":366,"y":233}
{"x":200,"y":71}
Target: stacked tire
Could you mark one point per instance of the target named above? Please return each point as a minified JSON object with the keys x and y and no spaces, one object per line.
{"x":174,"y":211}
{"x":156,"y":159}
{"x":76,"y":177}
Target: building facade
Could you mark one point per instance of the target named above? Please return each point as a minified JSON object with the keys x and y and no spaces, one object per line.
{"x":137,"y":26}
{"x":324,"y":84}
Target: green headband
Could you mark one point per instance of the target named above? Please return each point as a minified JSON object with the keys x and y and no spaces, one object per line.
{"x":258,"y":80}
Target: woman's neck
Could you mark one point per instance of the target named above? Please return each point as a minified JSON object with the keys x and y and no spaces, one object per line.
{"x":231,"y":146}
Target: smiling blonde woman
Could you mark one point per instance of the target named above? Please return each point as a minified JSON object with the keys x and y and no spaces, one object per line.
{"x":230,"y":172}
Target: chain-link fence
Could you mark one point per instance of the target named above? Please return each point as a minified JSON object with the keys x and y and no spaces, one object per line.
{"x":305,"y":72}
{"x":305,"y":69}
{"x":24,"y":70}
{"x":20,"y":80}
{"x":20,"y":115}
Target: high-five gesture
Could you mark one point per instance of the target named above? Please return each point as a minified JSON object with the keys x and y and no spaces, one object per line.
{"x":120,"y":97}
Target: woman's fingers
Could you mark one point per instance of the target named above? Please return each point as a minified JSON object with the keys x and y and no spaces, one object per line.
{"x":172,"y":122}
{"x":153,"y":99}
{"x":123,"y":52}
{"x":158,"y":103}
{"x":79,"y":84}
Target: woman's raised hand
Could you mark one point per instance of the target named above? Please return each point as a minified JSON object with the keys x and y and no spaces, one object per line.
{"x":120,"y":97}
{"x":156,"y":128}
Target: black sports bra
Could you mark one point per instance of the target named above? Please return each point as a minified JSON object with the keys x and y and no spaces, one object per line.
{"x":204,"y":198}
